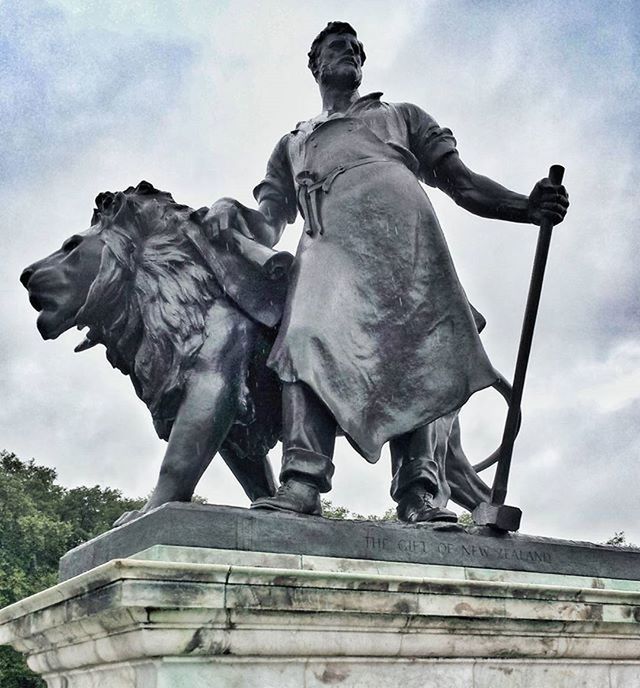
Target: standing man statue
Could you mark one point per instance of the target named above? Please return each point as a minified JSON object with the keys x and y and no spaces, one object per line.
{"x":378,"y":338}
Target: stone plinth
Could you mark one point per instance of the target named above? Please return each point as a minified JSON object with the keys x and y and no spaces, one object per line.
{"x":174,"y":617}
{"x":220,"y":527}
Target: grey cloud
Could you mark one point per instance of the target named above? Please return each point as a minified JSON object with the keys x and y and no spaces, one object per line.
{"x":67,"y":86}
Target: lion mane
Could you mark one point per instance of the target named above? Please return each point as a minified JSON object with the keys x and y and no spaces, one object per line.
{"x":150,"y":298}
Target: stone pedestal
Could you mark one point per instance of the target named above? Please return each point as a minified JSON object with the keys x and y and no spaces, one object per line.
{"x":170,"y":616}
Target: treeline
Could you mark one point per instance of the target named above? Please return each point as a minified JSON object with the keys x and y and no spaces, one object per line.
{"x":40,"y":521}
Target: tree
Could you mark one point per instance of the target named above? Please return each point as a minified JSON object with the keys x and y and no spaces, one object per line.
{"x":466,"y":519}
{"x":39,"y":521}
{"x":618,"y":539}
{"x":330,"y":510}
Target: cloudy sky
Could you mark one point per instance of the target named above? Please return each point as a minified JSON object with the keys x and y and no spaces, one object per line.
{"x":192,"y":96}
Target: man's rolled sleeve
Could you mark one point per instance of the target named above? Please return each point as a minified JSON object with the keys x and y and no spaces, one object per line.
{"x":428,"y":141}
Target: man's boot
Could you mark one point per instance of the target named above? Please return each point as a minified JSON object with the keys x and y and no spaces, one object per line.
{"x":304,"y":475}
{"x":292,"y":495}
{"x":415,"y":505}
{"x":419,"y":484}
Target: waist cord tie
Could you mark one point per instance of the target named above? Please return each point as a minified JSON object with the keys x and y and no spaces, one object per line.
{"x":309,"y":191}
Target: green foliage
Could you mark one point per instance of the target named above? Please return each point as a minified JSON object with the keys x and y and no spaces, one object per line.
{"x":329,"y":510}
{"x":618,"y":539}
{"x":32,"y":536}
{"x":14,"y":672}
{"x":92,"y":510}
{"x":465,"y":519}
{"x":39,"y":522}
{"x":389,"y":515}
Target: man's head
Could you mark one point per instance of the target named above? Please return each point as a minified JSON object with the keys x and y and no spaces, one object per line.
{"x":336,"y":56}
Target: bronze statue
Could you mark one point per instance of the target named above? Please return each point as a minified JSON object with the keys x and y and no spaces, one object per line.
{"x":377,"y":336}
{"x":191,"y":321}
{"x":368,"y":332}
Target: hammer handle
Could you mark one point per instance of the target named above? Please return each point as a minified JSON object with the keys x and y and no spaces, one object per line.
{"x":499,"y":491}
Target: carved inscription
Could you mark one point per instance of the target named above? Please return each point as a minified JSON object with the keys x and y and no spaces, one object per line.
{"x":457,"y":551}
{"x":377,"y":543}
{"x":523,"y":555}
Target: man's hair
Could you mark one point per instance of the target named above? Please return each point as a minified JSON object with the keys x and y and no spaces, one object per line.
{"x":336,"y":27}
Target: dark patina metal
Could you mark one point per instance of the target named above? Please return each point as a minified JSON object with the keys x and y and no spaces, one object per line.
{"x":367,"y":332}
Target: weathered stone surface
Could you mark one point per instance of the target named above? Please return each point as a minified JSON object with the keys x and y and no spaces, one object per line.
{"x":224,"y":672}
{"x":239,"y":618}
{"x":201,"y":555}
{"x":220,"y":527}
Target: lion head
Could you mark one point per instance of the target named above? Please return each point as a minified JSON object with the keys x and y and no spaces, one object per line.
{"x":139,"y":286}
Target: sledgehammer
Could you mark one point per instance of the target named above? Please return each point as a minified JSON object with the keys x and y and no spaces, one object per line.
{"x":496,"y":513}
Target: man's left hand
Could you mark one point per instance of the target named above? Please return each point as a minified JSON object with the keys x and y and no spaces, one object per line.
{"x":547,"y":201}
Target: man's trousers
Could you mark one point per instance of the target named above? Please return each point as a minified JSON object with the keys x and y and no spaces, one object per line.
{"x":429,"y":458}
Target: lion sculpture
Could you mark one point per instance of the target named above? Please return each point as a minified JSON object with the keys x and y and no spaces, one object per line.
{"x":190,"y":322}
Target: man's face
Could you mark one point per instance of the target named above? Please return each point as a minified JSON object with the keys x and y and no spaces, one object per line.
{"x":339,"y":61}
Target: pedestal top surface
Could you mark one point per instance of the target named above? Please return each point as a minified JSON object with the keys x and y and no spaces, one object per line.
{"x":231,"y":528}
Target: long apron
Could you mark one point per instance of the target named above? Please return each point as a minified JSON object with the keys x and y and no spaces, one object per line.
{"x":376,"y":321}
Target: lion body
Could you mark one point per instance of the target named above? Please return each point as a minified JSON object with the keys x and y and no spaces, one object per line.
{"x":157,"y":307}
